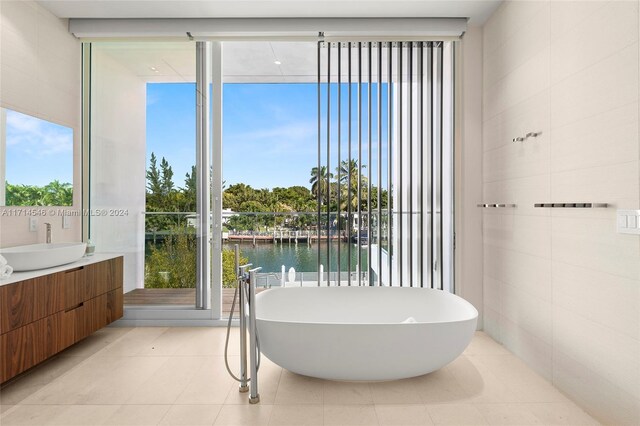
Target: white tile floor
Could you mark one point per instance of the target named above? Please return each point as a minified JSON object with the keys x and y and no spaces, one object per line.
{"x":176,"y":376}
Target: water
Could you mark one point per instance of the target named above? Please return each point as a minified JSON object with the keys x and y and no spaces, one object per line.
{"x":300,"y":256}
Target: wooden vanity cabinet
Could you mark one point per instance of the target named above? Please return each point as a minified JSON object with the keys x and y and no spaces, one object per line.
{"x":42,"y":316}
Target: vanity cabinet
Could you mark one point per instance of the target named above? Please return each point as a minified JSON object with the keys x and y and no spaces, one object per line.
{"x":40,"y":317}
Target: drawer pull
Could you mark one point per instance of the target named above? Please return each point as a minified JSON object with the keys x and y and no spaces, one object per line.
{"x":79,"y":268}
{"x":79,"y":305}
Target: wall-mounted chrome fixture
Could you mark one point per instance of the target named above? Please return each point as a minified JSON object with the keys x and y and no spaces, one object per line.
{"x":572,"y":205}
{"x":527,"y":136}
{"x":496,"y":206}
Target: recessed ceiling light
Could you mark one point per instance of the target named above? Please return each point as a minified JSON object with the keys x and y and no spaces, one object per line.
{"x":154,"y":69}
{"x":277,"y":62}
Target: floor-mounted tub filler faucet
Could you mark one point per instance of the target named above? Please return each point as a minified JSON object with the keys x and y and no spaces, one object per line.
{"x":246,"y":280}
{"x":48,"y":225}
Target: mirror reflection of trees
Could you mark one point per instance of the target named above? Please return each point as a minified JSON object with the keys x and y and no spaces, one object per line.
{"x":36,"y":159}
{"x":55,"y":193}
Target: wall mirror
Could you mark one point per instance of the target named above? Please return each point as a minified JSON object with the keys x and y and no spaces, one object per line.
{"x":36,"y":161}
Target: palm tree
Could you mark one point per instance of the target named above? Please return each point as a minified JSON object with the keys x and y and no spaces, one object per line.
{"x":349,"y":187}
{"x":319,"y":183}
{"x":346,"y":166}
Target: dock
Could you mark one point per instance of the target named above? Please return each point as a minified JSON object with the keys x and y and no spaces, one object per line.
{"x":283,"y":237}
{"x":275,"y":237}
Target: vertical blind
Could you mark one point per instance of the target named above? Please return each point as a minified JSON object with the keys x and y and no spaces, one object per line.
{"x":385,"y":163}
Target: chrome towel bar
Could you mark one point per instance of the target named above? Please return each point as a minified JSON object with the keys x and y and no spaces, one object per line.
{"x":498,"y":205}
{"x":571,"y":205}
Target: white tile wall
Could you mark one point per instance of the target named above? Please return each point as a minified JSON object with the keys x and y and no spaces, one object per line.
{"x":593,"y":391}
{"x":596,"y":89}
{"x":507,"y":21}
{"x":592,"y":137}
{"x":530,"y":275}
{"x":523,"y":234}
{"x":578,"y":46}
{"x":524,"y":192}
{"x":528,"y":40}
{"x":565,"y":15}
{"x":536,"y":352}
{"x":40,"y":75}
{"x":469,"y":175}
{"x":619,"y":365}
{"x":561,"y":287}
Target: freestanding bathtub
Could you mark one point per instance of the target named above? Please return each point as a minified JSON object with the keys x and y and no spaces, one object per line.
{"x":363,"y":333}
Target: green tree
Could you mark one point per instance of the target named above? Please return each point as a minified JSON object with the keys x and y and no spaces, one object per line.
{"x":320,"y":183}
{"x":154,"y":185}
{"x":166,"y":178}
{"x":349,"y":173}
{"x":189,"y":191}
{"x":229,"y":267}
{"x":54,"y":193}
{"x":173,"y":263}
{"x":163,"y":196}
{"x":156,"y":199}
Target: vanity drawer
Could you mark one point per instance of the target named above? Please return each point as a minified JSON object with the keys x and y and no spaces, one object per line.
{"x":97,"y":312}
{"x":74,"y":286}
{"x":103,"y":277}
{"x":104,"y":309}
{"x":42,"y":316}
{"x":115,"y":305}
{"x":48,"y":296}
{"x":73,"y":325}
{"x":27,"y":346}
{"x":16,"y":305}
{"x":28,"y":301}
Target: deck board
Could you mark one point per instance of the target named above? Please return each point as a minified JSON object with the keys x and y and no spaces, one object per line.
{"x":175,"y":297}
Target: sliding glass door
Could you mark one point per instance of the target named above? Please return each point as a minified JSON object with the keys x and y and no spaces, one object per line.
{"x":337,"y":167}
{"x":149,"y":166}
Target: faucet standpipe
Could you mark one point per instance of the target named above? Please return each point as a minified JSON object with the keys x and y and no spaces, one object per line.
{"x":243,"y":277}
{"x":246,"y":280}
{"x":254,"y":397}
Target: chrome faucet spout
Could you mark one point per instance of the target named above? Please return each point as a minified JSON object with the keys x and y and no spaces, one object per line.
{"x":48,"y":225}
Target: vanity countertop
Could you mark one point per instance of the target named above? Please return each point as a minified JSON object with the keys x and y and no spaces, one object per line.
{"x":86,"y":260}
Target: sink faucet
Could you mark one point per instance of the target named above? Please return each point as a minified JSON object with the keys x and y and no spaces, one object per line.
{"x":48,"y":225}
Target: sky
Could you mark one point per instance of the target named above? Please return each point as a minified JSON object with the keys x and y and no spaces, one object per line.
{"x":37,"y":151}
{"x":270,"y":131}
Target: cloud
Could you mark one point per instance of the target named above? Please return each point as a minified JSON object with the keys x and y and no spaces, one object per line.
{"x":152,"y":98}
{"x":277,"y":140}
{"x":35,"y":137}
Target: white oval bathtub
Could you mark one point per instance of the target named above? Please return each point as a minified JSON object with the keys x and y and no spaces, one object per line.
{"x":359,"y":333}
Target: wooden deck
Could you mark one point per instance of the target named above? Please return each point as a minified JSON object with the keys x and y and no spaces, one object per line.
{"x":175,"y":297}
{"x":160,"y":296}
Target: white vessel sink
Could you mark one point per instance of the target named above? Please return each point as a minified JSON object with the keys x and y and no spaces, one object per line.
{"x":40,"y":256}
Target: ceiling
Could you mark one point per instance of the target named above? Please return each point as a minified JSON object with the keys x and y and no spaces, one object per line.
{"x":254,"y":62}
{"x":243,"y":62}
{"x":476,"y":10}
